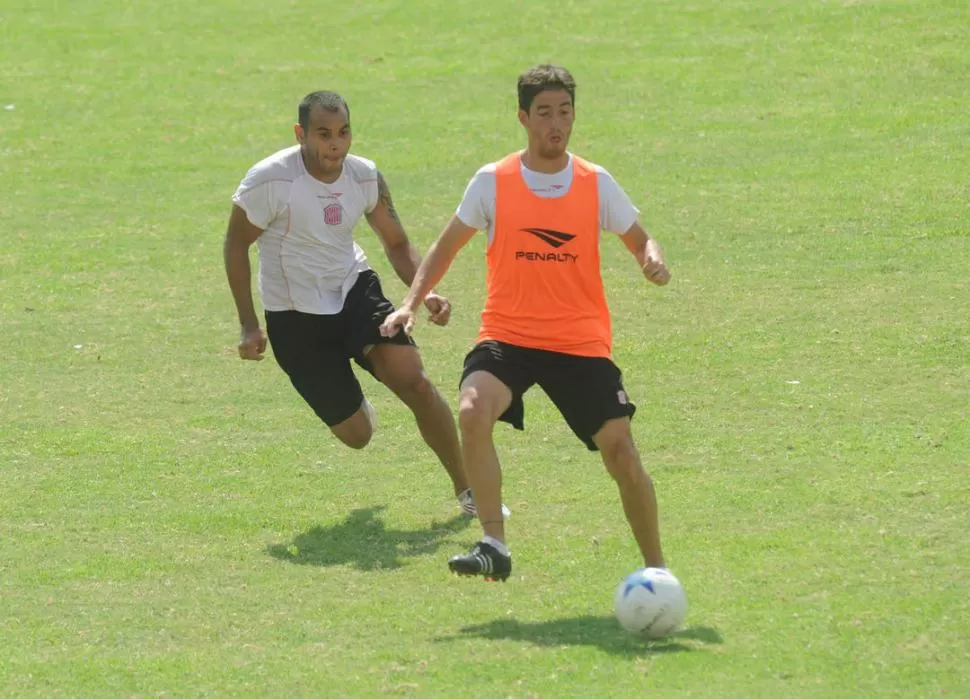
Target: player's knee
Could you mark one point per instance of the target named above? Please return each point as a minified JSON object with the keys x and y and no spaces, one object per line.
{"x":413,"y":387}
{"x":356,"y":431}
{"x":421,"y":387}
{"x":624,"y":467}
{"x":355,"y":439}
{"x":474,"y":415}
{"x":620,"y":452}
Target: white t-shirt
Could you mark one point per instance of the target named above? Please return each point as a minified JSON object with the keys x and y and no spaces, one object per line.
{"x":308,"y":260}
{"x":477,"y":208}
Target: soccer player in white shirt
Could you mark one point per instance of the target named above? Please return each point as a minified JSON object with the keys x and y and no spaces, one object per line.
{"x":323,"y":304}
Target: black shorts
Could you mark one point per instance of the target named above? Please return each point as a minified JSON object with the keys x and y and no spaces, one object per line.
{"x":588,"y":391}
{"x":315,"y":350}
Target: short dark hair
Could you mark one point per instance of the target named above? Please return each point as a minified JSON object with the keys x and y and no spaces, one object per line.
{"x":330,"y":101}
{"x":541,"y":78}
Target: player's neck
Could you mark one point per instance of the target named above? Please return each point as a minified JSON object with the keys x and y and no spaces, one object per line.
{"x":548,"y":166}
{"x":326,"y":179}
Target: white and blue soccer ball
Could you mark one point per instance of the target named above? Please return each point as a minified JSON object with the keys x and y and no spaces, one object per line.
{"x":650,"y":603}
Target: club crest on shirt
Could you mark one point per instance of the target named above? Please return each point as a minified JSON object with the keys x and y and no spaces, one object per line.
{"x":332,"y":214}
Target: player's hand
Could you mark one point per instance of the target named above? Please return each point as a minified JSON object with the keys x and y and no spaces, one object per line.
{"x":252,"y":344}
{"x":401,"y":318}
{"x":656,"y":271}
{"x":439,"y":307}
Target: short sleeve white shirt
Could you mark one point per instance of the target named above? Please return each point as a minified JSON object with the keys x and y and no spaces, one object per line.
{"x":308,"y":259}
{"x":477,"y":208}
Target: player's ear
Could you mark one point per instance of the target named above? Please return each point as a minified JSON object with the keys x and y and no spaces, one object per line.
{"x":298,"y":132}
{"x":524,"y":118}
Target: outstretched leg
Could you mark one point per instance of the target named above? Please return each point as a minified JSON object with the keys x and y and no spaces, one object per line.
{"x":622,"y":460}
{"x":399,"y":368}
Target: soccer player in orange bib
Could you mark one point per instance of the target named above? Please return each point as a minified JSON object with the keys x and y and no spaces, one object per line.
{"x":545,"y":319}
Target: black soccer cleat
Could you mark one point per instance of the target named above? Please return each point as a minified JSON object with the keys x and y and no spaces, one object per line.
{"x":482,"y":560}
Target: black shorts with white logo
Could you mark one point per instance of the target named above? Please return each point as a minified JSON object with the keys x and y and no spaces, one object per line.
{"x":315,"y":350}
{"x":588,"y":391}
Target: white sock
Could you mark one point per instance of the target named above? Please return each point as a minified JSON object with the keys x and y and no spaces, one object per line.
{"x":496,"y":544}
{"x":371,"y":414}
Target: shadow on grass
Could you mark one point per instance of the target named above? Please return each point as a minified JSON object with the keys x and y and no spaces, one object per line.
{"x":604,"y":633}
{"x":363,"y":541}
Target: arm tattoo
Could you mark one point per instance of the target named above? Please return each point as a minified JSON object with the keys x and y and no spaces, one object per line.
{"x":384,"y":197}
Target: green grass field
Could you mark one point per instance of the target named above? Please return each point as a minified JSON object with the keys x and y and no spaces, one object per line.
{"x":176,"y":523}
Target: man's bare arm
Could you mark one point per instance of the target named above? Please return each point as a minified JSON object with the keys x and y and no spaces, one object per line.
{"x":648,"y":254}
